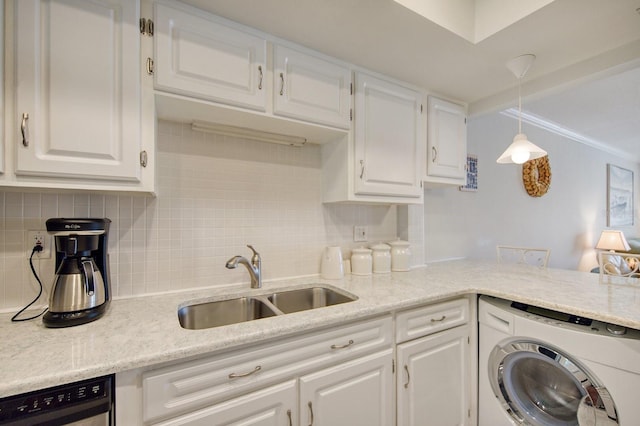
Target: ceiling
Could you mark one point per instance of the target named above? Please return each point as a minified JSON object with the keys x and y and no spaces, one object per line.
{"x":586,"y":76}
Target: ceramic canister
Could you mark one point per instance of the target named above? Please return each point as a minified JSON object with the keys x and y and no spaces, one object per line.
{"x":381,"y":258}
{"x":361,"y":261}
{"x":400,"y":255}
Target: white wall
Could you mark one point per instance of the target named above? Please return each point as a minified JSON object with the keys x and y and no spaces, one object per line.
{"x":568,"y":219}
{"x":215,"y":195}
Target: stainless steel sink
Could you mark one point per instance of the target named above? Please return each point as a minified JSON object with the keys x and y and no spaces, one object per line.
{"x":223,"y":312}
{"x":249,"y":308}
{"x":307,"y":298}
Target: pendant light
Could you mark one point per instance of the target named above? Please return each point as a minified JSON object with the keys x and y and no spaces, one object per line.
{"x":521,"y":149}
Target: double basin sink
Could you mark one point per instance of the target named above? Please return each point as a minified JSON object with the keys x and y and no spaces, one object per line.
{"x":249,"y":308}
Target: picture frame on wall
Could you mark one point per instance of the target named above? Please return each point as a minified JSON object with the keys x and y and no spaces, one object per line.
{"x":619,"y":196}
{"x":471,"y":184}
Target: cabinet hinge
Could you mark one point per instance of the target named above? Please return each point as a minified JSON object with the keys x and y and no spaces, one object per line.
{"x":149,"y":66}
{"x":393,"y":366}
{"x":468,"y":340}
{"x":351,"y":88}
{"x":465,"y":120}
{"x":469,"y":413}
{"x":143,"y":158}
{"x":146,"y":27}
{"x":350,"y":114}
{"x":421,"y":108}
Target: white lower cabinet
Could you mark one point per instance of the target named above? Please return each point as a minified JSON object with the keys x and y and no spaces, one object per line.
{"x":267,"y":407}
{"x":336,"y":373}
{"x":433,"y":383}
{"x":359,"y":392}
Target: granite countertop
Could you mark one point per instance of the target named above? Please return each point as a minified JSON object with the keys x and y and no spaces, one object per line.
{"x":144,"y":331}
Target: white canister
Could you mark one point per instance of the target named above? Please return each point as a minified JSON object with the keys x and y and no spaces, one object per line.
{"x":381,"y":258}
{"x":361,"y":261}
{"x":331,"y":264}
{"x":400,"y":255}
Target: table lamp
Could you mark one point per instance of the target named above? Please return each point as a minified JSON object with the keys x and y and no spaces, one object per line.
{"x":613,"y":241}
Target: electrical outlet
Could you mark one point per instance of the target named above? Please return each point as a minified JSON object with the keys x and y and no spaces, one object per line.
{"x":39,"y":238}
{"x":359,"y":233}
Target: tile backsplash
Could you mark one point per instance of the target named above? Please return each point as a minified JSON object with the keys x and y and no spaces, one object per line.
{"x":215,"y":194}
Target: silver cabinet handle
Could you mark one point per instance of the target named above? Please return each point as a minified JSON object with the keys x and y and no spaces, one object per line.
{"x":434,"y":150}
{"x":442,"y":318}
{"x":310,"y":413}
{"x":361,"y":168}
{"x":25,"y":129}
{"x":238,"y":375}
{"x":406,"y":385}
{"x":281,"y":84}
{"x":260,"y":81}
{"x":289,"y":416}
{"x":349,"y":343}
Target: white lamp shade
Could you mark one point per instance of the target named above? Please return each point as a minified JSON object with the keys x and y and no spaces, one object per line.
{"x":612,"y":240}
{"x":520,"y":151}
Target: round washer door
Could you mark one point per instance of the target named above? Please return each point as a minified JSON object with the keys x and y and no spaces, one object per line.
{"x":538,"y":385}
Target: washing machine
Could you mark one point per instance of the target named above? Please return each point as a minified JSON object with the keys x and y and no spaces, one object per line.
{"x":545,"y":368}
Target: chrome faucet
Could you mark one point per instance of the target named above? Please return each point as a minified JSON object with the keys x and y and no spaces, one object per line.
{"x":254,"y":267}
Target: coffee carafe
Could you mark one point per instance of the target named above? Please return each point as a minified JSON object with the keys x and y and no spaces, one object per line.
{"x":81,"y":289}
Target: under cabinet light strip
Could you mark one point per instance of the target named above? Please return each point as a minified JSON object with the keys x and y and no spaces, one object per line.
{"x":246,"y":133}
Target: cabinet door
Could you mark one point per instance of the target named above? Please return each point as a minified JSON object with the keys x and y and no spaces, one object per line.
{"x":78,"y":89}
{"x":447,"y":143}
{"x":388,"y":127}
{"x":358,"y":392}
{"x":199,"y":56}
{"x":311,"y":88}
{"x":433,"y":380}
{"x":268,"y":407}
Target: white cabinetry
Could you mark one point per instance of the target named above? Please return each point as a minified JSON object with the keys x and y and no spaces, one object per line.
{"x":210,"y":69}
{"x":203,"y":58}
{"x":353,"y":393}
{"x":311,"y":88}
{"x":381,"y":160}
{"x":388,"y":132}
{"x":271,"y":406}
{"x":447,"y":143}
{"x":78,"y":96}
{"x":434,"y":370}
{"x":337,"y":371}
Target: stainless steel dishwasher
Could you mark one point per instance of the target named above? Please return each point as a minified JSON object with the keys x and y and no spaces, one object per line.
{"x":86,"y":403}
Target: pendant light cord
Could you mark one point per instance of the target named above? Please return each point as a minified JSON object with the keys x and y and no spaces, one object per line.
{"x":519,"y":104}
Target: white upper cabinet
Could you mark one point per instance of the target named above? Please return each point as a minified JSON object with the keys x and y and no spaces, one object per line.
{"x":78,"y":91}
{"x":389,"y":131}
{"x":199,"y":56}
{"x":311,"y":88}
{"x":447,"y":143}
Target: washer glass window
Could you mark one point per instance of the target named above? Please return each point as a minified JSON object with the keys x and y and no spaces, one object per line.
{"x":538,"y":385}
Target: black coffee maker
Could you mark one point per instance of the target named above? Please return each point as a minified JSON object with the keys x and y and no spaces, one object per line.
{"x":81,"y":289}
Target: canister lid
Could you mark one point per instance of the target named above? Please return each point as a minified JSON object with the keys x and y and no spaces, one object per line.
{"x":361,"y":250}
{"x":380,"y":247}
{"x":399,"y":243}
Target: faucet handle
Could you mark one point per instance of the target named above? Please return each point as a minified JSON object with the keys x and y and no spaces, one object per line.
{"x":256,"y":256}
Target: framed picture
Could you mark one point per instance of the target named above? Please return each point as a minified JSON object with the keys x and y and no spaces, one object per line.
{"x":472,"y":174}
{"x":619,"y":196}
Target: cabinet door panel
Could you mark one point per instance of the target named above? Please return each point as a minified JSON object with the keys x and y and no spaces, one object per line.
{"x":388,"y":129}
{"x":199,"y":57}
{"x":78,"y":79}
{"x":447,"y":146}
{"x":359,"y":392}
{"x":274,"y":406}
{"x":310,"y":88}
{"x":433,"y":380}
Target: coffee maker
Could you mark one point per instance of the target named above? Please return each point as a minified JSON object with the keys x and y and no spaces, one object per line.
{"x":81,"y":289}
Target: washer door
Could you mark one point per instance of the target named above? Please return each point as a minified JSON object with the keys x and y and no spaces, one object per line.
{"x":538,"y":385}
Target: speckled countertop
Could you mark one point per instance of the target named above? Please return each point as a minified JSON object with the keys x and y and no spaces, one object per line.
{"x":144,"y":331}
